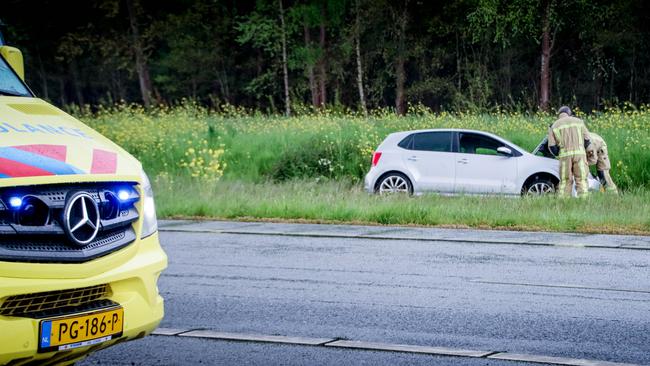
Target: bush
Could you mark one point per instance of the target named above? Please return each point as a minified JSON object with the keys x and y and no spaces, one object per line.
{"x":254,"y":148}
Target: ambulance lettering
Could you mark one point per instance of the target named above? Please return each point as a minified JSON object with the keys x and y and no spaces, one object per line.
{"x":47,"y":129}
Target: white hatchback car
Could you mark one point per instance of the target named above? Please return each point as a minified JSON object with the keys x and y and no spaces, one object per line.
{"x":453,"y":161}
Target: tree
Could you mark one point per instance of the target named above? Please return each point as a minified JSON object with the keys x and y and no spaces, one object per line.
{"x":261,"y":30}
{"x":285,"y":72}
{"x":312,"y":15}
{"x":357,"y":49}
{"x":70,"y":49}
{"x":531,"y":19}
{"x":133,"y":10}
{"x":400,"y":17}
{"x":310,"y":61}
{"x":197,"y":61}
{"x":322,"y":61}
{"x":545,"y":60}
{"x":520,"y":54}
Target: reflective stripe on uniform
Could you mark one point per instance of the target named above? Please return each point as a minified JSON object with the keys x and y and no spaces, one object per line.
{"x":563,"y":178}
{"x":558,"y":131}
{"x":583,"y":179}
{"x":570,"y":125}
{"x":572,"y":153}
{"x":580,"y":138}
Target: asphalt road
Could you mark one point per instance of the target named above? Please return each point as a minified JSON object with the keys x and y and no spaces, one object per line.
{"x":586,"y":303}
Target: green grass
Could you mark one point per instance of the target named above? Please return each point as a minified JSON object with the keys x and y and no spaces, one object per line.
{"x":257,"y":148}
{"x":238,"y":164}
{"x":344,"y":201}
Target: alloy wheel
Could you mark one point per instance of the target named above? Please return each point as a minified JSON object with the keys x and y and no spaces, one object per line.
{"x":540,"y":189}
{"x":393,"y":184}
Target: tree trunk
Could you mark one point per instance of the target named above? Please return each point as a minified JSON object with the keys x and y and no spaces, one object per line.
{"x":545,"y":72}
{"x":43,"y":75}
{"x":357,"y":44}
{"x":400,"y":73}
{"x":506,"y":67}
{"x":631,"y":97}
{"x":140,"y":58}
{"x":400,"y":106}
{"x":221,"y":85}
{"x":225,"y":85}
{"x":285,"y":71}
{"x":121,"y":90}
{"x":62,"y":98}
{"x":310,"y":70}
{"x":76,"y":84}
{"x":458,"y":68}
{"x":322,"y":65}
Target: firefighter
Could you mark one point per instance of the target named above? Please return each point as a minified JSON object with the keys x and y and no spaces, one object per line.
{"x":567,"y":139}
{"x":597,"y":155}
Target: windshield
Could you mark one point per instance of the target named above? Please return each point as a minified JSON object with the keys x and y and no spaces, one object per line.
{"x":542,"y":149}
{"x":10,"y":84}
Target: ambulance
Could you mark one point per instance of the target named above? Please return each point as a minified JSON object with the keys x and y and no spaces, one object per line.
{"x":79,"y":252}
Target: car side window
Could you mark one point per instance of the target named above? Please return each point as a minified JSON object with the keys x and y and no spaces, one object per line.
{"x":471,"y":143}
{"x":432,"y":141}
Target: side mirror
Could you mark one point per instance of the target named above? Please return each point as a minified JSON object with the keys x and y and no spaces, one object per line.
{"x":504,"y":151}
{"x":14,"y":57}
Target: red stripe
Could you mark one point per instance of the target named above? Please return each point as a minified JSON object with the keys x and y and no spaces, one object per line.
{"x":15,"y":169}
{"x":57,"y":152}
{"x":104,"y":162}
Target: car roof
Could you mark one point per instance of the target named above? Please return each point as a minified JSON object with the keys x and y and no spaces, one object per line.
{"x":444,"y":130}
{"x":451,"y":130}
{"x":497,"y":137}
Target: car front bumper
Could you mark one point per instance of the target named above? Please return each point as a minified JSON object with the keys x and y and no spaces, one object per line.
{"x":133,"y":285}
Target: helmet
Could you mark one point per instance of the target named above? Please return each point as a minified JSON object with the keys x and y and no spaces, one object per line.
{"x":564,"y":109}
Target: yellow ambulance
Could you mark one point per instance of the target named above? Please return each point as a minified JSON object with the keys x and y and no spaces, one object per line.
{"x":79,"y":250}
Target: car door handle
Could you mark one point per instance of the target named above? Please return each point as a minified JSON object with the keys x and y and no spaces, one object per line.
{"x":462,"y":161}
{"x":412,"y":158}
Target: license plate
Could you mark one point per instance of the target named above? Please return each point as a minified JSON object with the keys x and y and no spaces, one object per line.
{"x":80,"y":330}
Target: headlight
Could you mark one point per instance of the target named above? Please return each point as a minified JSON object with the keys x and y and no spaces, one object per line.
{"x":149,"y":222}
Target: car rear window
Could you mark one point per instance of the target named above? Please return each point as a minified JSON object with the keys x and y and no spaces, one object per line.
{"x":432,"y":141}
{"x":406,"y":143}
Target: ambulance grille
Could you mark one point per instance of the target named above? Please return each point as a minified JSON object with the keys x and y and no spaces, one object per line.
{"x":33,"y":230}
{"x":28,"y":304}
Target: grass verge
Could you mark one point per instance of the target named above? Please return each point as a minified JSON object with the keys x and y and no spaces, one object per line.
{"x":345,"y":202}
{"x":192,"y":141}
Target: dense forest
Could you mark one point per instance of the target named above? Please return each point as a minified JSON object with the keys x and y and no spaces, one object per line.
{"x":282,"y":56}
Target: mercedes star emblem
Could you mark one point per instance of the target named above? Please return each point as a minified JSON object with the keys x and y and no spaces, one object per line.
{"x":81,"y":219}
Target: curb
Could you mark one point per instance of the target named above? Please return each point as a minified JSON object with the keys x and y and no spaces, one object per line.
{"x":376,"y":346}
{"x":400,"y":238}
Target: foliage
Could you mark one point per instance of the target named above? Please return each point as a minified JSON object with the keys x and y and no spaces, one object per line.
{"x":204,"y":163}
{"x":343,"y":201}
{"x":247,"y":146}
{"x":458,"y":55}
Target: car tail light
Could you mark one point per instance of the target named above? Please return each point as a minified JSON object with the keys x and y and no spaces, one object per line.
{"x":375,"y":158}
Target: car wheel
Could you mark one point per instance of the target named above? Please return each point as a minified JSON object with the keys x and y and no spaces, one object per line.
{"x":539,"y":187}
{"x":394,"y":183}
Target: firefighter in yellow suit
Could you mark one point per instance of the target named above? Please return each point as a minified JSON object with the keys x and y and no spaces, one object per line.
{"x":597,"y":155}
{"x":567,"y":139}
